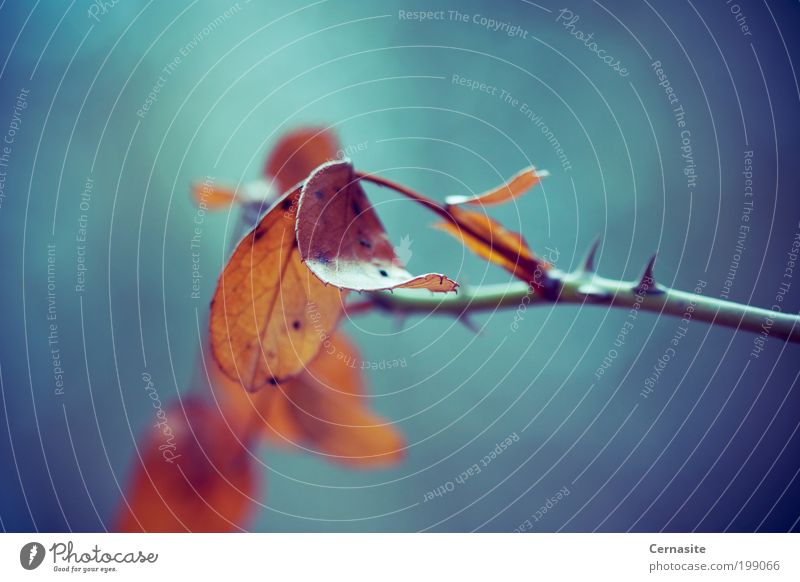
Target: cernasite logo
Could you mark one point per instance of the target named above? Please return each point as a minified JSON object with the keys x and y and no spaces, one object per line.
{"x":31,"y":555}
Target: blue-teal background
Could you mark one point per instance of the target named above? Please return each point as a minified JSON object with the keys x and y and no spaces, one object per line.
{"x":714,"y":447}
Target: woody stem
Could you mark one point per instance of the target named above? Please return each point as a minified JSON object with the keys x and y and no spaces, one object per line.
{"x":588,"y":288}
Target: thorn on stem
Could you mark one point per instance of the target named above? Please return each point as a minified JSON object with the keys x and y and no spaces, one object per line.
{"x":647,"y":283}
{"x":468,"y":323}
{"x":588,"y":262}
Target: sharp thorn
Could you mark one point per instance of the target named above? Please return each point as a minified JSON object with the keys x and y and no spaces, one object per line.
{"x":588,"y":262}
{"x":468,"y":323}
{"x":647,"y":281}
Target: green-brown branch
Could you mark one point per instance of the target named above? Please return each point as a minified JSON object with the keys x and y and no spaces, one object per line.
{"x":587,"y":288}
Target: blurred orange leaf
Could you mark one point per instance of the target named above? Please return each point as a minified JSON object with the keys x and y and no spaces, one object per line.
{"x":195,"y":475}
{"x":212,"y":196}
{"x":343,"y":241}
{"x":516,"y":186}
{"x":325,"y":409}
{"x":297,"y":153}
{"x":292,"y":159}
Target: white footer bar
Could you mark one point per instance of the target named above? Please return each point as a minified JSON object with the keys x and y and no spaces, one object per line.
{"x":387,"y":557}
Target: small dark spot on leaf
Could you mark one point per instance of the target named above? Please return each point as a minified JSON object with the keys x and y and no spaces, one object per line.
{"x":273,"y":381}
{"x":258,"y":233}
{"x":356,"y":208}
{"x":287,"y":204}
{"x":322,"y":258}
{"x":383,"y":273}
{"x":296,"y":324}
{"x":319,"y":194}
{"x":365,"y":243}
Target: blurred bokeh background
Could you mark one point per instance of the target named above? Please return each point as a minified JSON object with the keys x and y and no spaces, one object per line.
{"x":452,"y":104}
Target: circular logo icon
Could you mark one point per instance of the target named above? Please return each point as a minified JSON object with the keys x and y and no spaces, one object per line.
{"x":31,"y":555}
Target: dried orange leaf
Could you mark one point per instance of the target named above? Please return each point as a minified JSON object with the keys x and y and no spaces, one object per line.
{"x":516,"y":186}
{"x":326,"y":409}
{"x":492,"y":241}
{"x":212,"y":196}
{"x":342,"y":240}
{"x":270,"y":315}
{"x":195,"y":475}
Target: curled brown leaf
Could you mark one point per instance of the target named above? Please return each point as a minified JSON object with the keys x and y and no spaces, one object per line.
{"x":344,"y":243}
